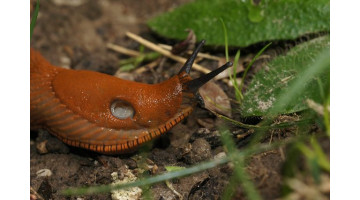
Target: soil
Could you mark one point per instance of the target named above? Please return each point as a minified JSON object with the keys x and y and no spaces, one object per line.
{"x":74,"y":34}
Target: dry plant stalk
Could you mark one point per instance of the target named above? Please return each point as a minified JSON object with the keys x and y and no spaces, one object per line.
{"x":122,"y":50}
{"x":164,"y":52}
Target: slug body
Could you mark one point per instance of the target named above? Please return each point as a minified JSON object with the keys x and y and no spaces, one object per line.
{"x":106,"y":114}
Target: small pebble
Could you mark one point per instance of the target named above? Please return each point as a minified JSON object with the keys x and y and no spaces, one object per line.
{"x":127,"y":193}
{"x":220,"y":155}
{"x":65,"y":62}
{"x":44,"y":173}
{"x":124,"y":75}
{"x":154,"y":169}
{"x":204,"y":131}
{"x":200,"y":150}
{"x":131,"y":163}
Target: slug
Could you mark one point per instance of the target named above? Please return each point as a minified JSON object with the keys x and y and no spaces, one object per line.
{"x":106,"y":114}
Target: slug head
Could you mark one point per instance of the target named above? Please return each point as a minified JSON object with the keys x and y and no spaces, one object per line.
{"x":178,"y":96}
{"x":192,"y":85}
{"x":118,"y":104}
{"x":176,"y":99}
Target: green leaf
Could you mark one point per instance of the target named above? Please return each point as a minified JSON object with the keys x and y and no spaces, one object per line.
{"x":247,"y":24}
{"x":281,"y":73}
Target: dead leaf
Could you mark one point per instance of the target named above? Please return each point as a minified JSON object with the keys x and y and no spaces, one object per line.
{"x":124,"y":75}
{"x":187,"y":44}
{"x":215,"y":99}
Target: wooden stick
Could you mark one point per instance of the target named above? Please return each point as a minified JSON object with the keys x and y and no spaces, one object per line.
{"x":122,"y":50}
{"x":144,"y":68}
{"x":164,"y":52}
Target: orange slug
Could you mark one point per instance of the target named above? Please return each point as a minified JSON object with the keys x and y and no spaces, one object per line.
{"x":106,"y":114}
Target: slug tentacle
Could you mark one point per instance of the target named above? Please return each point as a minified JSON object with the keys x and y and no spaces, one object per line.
{"x":188,"y":64}
{"x":106,"y":114}
{"x":195,"y":84}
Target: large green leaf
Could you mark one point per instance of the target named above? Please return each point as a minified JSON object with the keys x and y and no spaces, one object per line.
{"x":247,"y":23}
{"x":274,"y":79}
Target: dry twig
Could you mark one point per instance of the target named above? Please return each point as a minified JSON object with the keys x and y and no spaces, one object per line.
{"x":164,"y":52}
{"x":122,"y":50}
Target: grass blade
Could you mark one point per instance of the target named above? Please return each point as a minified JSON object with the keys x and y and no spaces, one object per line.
{"x":239,"y":166}
{"x":250,"y":64}
{"x":175,"y":174}
{"x":226,"y":40}
{"x":34,"y":18}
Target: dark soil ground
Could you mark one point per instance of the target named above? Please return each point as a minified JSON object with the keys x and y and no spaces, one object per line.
{"x":75,"y":36}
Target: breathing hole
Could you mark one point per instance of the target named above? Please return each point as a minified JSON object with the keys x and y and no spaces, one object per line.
{"x":122,"y":109}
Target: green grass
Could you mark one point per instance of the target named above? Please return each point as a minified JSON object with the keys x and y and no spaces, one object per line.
{"x":233,"y":78}
{"x":249,"y":66}
{"x":34,"y":18}
{"x":131,"y":63}
{"x":232,"y":75}
{"x":226,"y":40}
{"x":239,"y":173}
